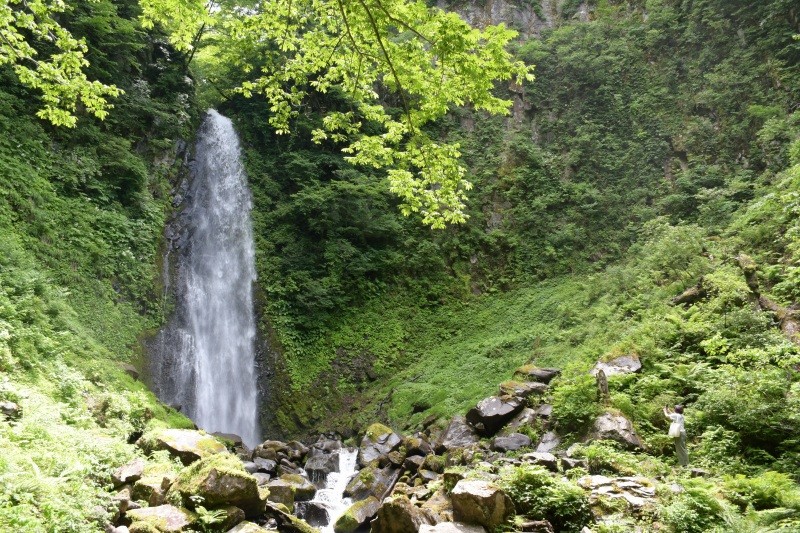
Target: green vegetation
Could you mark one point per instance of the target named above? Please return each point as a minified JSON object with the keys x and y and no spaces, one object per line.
{"x":657,"y":152}
{"x":540,"y":496}
{"x":81,"y":214}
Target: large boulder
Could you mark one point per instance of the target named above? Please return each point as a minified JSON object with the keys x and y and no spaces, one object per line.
{"x":451,"y":527}
{"x":162,"y":518}
{"x":219,"y":480}
{"x":398,"y":515}
{"x":417,"y":445}
{"x":511,"y":442}
{"x":378,"y":442}
{"x":549,"y":442}
{"x":458,"y":434}
{"x":186,"y":444}
{"x":357,"y":515}
{"x":522,"y":389}
{"x":319,"y":466}
{"x":267,"y":466}
{"x":492,"y":413}
{"x":480,"y":502}
{"x":609,"y":426}
{"x":525,"y":418}
{"x":129,"y":473}
{"x":372,"y":481}
{"x":286,"y":522}
{"x":314,"y":513}
{"x":281,"y":492}
{"x":10,"y":410}
{"x":534,"y":373}
{"x":304,"y":490}
{"x":545,"y":459}
{"x":152,"y":489}
{"x":624,"y":364}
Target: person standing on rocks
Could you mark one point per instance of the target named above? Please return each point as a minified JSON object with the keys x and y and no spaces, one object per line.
{"x":678,"y":433}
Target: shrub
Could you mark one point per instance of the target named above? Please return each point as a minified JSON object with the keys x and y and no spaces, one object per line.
{"x":540,"y":496}
{"x":695,"y":510}
{"x":575,"y":404}
{"x":765,"y":491}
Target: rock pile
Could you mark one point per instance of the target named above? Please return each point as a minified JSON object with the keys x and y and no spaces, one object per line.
{"x":405,"y":483}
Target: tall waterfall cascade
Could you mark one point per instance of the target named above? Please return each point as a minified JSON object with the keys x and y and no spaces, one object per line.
{"x":204,"y":359}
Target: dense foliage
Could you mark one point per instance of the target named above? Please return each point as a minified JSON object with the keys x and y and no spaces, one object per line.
{"x":81,"y":216}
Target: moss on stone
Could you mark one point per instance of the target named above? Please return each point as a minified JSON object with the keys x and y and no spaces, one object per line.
{"x":376,"y":431}
{"x":191,"y":477}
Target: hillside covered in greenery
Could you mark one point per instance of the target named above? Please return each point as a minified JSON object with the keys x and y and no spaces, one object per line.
{"x":642,"y":198}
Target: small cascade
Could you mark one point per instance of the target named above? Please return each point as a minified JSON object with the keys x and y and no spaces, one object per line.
{"x":204,"y":359}
{"x":332,"y":496}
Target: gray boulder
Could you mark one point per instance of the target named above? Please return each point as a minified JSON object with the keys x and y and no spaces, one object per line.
{"x":186,"y":444}
{"x":534,"y":373}
{"x":510,"y":442}
{"x":545,"y":459}
{"x":492,"y":413}
{"x":372,"y":481}
{"x":480,"y":502}
{"x":617,"y":428}
{"x":220,"y":480}
{"x":378,"y":442}
{"x":398,"y":515}
{"x":624,"y":364}
{"x":458,"y":434}
{"x":549,"y":442}
{"x":152,"y":489}
{"x":522,"y":389}
{"x":10,"y":410}
{"x":129,"y":473}
{"x":315,"y":513}
{"x":319,"y":466}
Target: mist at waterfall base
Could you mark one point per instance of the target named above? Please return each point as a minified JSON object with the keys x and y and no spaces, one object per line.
{"x":204,"y":359}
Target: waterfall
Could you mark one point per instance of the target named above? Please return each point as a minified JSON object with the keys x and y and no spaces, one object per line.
{"x":204,"y":358}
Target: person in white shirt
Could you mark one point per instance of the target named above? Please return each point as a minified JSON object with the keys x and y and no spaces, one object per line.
{"x":678,"y":433}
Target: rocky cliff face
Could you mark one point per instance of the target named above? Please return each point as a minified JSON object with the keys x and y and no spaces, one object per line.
{"x":529,"y":18}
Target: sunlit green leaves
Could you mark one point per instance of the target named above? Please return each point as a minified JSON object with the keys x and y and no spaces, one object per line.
{"x":60,"y":75}
{"x":400,"y":63}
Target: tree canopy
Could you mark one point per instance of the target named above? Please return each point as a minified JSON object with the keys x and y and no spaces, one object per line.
{"x":399,"y":64}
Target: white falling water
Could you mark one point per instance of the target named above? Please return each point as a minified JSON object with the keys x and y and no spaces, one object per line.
{"x":332,"y":496}
{"x":208,"y":363}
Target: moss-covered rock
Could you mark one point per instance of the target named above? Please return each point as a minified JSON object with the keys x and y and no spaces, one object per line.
{"x":357,"y":515}
{"x":287,"y":523}
{"x":304,"y":490}
{"x":162,"y":519}
{"x":281,"y":492}
{"x":372,"y":481}
{"x":220,"y":480}
{"x":152,"y":489}
{"x":378,"y":442}
{"x":186,"y":444}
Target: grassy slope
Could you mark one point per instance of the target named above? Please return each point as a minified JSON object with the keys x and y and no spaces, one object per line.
{"x":76,"y":272}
